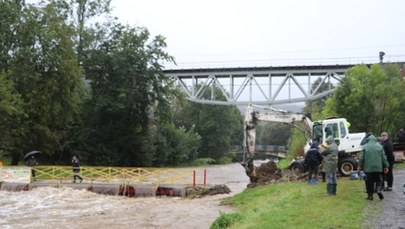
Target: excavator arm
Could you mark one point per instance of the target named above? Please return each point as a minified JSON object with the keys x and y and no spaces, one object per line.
{"x":272,"y":115}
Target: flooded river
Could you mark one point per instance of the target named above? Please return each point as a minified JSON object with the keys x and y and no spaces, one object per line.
{"x":68,"y":208}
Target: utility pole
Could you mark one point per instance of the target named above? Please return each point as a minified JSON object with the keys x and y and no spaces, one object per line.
{"x":381,"y":56}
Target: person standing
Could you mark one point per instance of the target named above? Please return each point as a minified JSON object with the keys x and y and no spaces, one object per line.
{"x":389,"y":153}
{"x":373,"y":162}
{"x":312,"y":159}
{"x":330,"y":159}
{"x":32,"y":162}
{"x":401,"y":135}
{"x":76,"y":169}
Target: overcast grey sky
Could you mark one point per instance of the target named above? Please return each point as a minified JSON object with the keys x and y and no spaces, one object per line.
{"x":259,"y":32}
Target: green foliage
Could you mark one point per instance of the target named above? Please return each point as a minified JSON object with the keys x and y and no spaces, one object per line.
{"x":315,"y":108}
{"x":10,"y":15}
{"x":220,"y":127}
{"x":41,"y":63}
{"x":126,"y":81}
{"x":284,"y":163}
{"x":272,"y":133}
{"x":226,"y":159}
{"x":226,"y":220}
{"x":371,"y":99}
{"x":11,"y":117}
{"x":123,"y":115}
{"x":283,"y":206}
{"x":176,"y":146}
{"x":399,"y":165}
{"x":296,"y":144}
{"x":204,"y":161}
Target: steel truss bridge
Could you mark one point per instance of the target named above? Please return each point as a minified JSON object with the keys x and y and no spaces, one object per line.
{"x":259,"y":85}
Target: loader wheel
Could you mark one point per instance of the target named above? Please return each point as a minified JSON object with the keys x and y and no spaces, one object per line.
{"x":347,"y":166}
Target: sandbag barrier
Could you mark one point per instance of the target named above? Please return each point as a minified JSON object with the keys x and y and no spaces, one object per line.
{"x":128,"y":190}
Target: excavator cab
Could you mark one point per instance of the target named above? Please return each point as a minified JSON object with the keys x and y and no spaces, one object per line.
{"x":347,"y":143}
{"x":336,"y":127}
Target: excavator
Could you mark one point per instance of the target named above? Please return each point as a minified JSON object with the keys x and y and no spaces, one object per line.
{"x":349,"y":145}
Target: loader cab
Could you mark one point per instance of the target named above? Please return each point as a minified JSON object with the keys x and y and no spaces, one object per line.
{"x":336,"y":127}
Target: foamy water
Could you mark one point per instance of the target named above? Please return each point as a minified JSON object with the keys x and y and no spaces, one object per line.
{"x":47,"y":207}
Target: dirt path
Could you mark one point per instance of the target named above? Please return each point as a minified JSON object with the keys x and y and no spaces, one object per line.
{"x":392,"y":208}
{"x":393,"y":215}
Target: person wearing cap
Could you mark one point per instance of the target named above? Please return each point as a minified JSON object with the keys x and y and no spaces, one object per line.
{"x":373,"y":162}
{"x":330,"y":159}
{"x":389,"y":153}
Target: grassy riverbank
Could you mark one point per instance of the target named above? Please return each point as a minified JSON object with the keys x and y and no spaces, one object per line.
{"x":399,"y":166}
{"x":297,"y":205}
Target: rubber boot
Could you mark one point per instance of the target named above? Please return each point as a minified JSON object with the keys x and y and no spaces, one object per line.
{"x":334,"y":186}
{"x":329,"y":189}
{"x":314,"y":181}
{"x":308,"y":181}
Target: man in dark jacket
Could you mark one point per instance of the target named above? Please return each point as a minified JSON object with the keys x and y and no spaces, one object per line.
{"x":32,"y":162}
{"x":330,"y":159}
{"x":389,"y":153}
{"x":312,"y":160}
{"x":373,"y":162}
{"x":76,"y":169}
{"x":401,"y":135}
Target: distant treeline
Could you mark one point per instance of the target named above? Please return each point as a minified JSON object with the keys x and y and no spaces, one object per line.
{"x":74,"y":81}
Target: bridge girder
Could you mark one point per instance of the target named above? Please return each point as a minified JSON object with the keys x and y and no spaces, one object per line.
{"x":262,"y":86}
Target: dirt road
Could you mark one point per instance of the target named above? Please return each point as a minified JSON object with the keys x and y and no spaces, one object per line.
{"x":393,"y":206}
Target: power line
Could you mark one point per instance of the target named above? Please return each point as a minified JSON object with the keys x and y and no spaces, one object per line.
{"x":287,"y":62}
{"x":402,"y":56}
{"x":294,"y":51}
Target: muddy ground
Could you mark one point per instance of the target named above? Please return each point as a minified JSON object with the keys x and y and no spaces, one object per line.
{"x":390,"y":212}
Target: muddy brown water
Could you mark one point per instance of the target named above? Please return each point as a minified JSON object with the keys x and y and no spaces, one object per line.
{"x":48,"y":207}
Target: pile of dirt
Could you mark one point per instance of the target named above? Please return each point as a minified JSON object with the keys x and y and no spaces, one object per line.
{"x":269,"y":173}
{"x":201,"y":191}
{"x":266,"y":173}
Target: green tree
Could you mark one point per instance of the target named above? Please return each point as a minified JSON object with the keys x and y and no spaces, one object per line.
{"x":272,"y":133}
{"x":175,"y":145}
{"x":86,"y":17}
{"x":11,"y":118}
{"x":10,"y":15}
{"x":313,"y":108}
{"x":370,"y":98}
{"x":126,"y":81}
{"x":220,"y":127}
{"x":44,"y":71}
